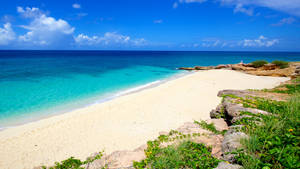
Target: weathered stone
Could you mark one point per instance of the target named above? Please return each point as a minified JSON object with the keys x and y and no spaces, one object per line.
{"x":241,"y":67}
{"x":235,"y":119}
{"x":186,"y":68}
{"x":118,"y":159}
{"x":204,"y":67}
{"x":224,"y":165}
{"x":214,"y":113}
{"x":269,"y":66}
{"x":220,"y":124}
{"x":221,"y":66}
{"x":231,"y":143}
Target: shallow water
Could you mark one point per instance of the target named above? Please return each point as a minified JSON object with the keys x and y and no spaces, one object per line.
{"x":35,"y":84}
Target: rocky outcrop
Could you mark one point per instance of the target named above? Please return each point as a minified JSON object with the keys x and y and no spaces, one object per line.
{"x":266,"y":70}
{"x":224,"y":165}
{"x":232,"y":142}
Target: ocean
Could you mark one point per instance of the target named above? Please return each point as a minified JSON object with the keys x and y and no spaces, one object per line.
{"x":38,"y":84}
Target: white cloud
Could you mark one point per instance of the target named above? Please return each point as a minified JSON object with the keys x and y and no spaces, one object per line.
{"x":76,"y":6}
{"x":175,"y":4}
{"x":108,"y":39}
{"x":6,"y":34}
{"x":242,"y":9}
{"x":246,"y":6}
{"x":44,"y":30}
{"x":287,"y":6}
{"x":284,"y":21}
{"x":29,"y":12}
{"x":261,"y":41}
{"x":158,"y":21}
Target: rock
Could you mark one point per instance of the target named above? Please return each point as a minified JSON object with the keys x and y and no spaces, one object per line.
{"x":186,"y":68}
{"x":238,"y":93}
{"x":190,"y":128}
{"x":241,"y":67}
{"x":269,"y":66}
{"x":216,"y":113}
{"x":118,"y":159}
{"x":221,"y":66}
{"x":231,"y":143}
{"x":235,"y":119}
{"x":224,"y":165}
{"x":204,"y":67}
{"x":220,"y":124}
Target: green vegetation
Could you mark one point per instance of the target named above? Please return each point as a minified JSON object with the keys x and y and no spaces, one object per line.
{"x":73,"y":163}
{"x":210,"y":127}
{"x":287,"y":88}
{"x":259,"y":63}
{"x":274,"y":139}
{"x":185,"y":155}
{"x":281,"y":64}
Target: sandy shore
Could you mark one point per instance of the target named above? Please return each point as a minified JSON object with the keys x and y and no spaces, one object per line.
{"x":123,"y":123}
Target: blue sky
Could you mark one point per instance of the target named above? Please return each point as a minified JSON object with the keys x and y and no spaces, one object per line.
{"x":209,"y":25}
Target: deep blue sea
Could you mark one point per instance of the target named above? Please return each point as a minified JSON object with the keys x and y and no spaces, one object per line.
{"x":36,"y":84}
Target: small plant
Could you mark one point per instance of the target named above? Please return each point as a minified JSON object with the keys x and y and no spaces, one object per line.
{"x":185,"y":155}
{"x":73,"y":163}
{"x":210,"y":127}
{"x":281,"y":64}
{"x":259,"y":63}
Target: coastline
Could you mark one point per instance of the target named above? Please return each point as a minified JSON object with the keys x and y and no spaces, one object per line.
{"x":86,"y":102}
{"x":81,"y":132}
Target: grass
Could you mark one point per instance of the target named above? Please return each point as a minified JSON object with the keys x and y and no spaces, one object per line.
{"x":210,"y":127}
{"x":259,"y":63}
{"x":274,"y":143}
{"x":73,"y":163}
{"x":281,"y":64}
{"x":185,"y":155}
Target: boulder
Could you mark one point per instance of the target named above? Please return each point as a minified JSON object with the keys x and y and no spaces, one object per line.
{"x":232,"y":142}
{"x":269,"y":66}
{"x":204,"y":67}
{"x":186,"y":68}
{"x":225,"y":165}
{"x":242,"y":68}
{"x":118,"y":159}
{"x":221,"y":66}
{"x":220,"y":124}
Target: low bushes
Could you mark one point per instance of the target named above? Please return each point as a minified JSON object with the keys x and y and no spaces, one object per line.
{"x":259,"y":63}
{"x":274,"y":141}
{"x":281,"y":64}
{"x":185,"y":155}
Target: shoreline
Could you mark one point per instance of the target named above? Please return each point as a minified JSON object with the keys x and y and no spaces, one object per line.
{"x":124,"y":122}
{"x":89,"y":101}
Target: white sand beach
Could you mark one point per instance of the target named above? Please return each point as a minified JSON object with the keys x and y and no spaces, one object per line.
{"x":123,"y":123}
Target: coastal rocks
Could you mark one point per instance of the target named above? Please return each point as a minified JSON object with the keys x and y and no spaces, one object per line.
{"x":221,"y":66}
{"x":232,"y":142}
{"x":118,"y":159}
{"x":224,"y":165}
{"x":240,"y":67}
{"x":204,"y":67}
{"x":186,"y":68}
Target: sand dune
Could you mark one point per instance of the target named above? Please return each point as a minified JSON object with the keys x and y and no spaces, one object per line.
{"x":123,"y":123}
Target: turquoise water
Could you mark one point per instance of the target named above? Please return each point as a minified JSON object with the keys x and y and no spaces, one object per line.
{"x":36,"y":84}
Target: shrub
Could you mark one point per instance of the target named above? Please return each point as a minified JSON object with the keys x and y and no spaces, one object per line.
{"x":274,"y":143}
{"x":281,"y":64}
{"x":185,"y":155}
{"x":259,"y":63}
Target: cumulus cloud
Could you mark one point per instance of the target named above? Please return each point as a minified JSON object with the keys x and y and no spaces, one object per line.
{"x":284,"y":21}
{"x":261,"y":41}
{"x":6,"y":34}
{"x":175,"y":4}
{"x":29,"y":12}
{"x":246,"y":6}
{"x":288,"y":6}
{"x":76,"y":6}
{"x":44,"y":30}
{"x":108,"y":39}
{"x":242,"y":9}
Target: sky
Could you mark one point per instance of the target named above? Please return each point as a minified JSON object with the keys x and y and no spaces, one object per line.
{"x":197,"y":25}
